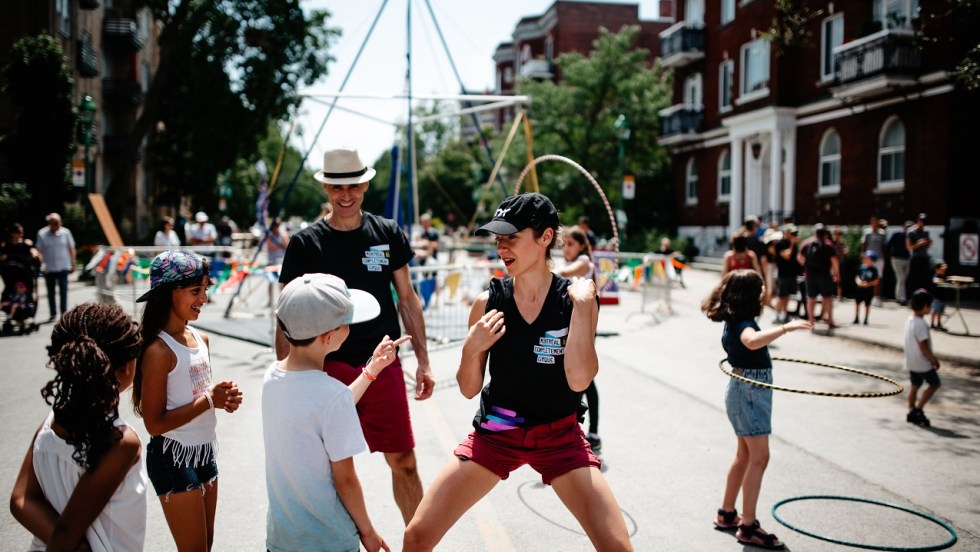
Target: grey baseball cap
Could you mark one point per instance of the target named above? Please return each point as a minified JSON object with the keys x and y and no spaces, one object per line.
{"x":314,"y":304}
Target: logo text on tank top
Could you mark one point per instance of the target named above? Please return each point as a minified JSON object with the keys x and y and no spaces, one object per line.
{"x":200,"y":374}
{"x":376,"y":257}
{"x":551,"y":345}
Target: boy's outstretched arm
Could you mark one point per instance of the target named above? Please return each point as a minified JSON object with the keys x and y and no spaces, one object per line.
{"x":384,"y":354}
{"x":351,"y":494}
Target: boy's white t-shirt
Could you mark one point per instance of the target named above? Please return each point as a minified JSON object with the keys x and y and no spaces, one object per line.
{"x":916,"y":330}
{"x":308,"y":421}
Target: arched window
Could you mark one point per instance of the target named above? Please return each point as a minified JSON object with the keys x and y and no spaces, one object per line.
{"x":829,"y":162}
{"x":724,"y":176}
{"x":691,"y":187}
{"x":891,"y":155}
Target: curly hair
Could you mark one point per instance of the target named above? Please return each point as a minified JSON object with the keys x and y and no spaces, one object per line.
{"x":88,"y":346}
{"x":156,"y":313}
{"x":737,"y":297}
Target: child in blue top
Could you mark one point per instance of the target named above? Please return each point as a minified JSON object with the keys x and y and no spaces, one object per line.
{"x":737,"y":301}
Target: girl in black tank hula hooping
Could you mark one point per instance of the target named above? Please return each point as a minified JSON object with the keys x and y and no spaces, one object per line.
{"x":535,"y":329}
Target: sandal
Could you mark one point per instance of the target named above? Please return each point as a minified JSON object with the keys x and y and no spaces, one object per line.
{"x":729,"y":520}
{"x":752,"y":535}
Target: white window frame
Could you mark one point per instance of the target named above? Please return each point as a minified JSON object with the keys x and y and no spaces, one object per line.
{"x":723,"y":175}
{"x":691,"y":183}
{"x":907,"y":9}
{"x":694,"y":11}
{"x":835,"y":25}
{"x":746,"y":95}
{"x":727,"y":11}
{"x":727,"y":66}
{"x":694,"y":91}
{"x":827,"y":161}
{"x":891,"y":151}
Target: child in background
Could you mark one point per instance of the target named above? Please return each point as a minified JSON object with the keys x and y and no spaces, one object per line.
{"x":920,"y":361}
{"x":16,"y":300}
{"x":310,"y":425}
{"x":737,"y":301}
{"x":81,"y":486}
{"x":867,"y":280}
{"x":172,"y":391}
{"x":579,"y":263}
{"x":938,"y":296}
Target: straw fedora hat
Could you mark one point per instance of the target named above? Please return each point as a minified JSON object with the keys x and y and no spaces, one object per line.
{"x":343,"y":166}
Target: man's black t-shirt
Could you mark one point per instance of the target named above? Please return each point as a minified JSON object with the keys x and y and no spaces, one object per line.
{"x":786,"y":268}
{"x":817,"y":255}
{"x":365,"y":258}
{"x":527,"y":365}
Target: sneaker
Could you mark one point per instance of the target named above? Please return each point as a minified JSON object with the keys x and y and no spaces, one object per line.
{"x":856,"y":321}
{"x":594,"y":441}
{"x":865,"y":321}
{"x":913,"y":416}
{"x":877,"y":301}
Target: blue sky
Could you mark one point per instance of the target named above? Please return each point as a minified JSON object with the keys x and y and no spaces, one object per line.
{"x":472,"y":29}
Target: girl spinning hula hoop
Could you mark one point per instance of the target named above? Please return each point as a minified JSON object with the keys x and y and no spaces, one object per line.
{"x":736,"y":301}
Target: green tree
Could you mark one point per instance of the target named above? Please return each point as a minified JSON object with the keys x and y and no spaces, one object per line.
{"x":226,"y":69}
{"x":575,"y":118}
{"x":41,"y":142}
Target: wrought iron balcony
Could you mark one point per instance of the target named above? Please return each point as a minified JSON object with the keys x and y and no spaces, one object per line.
{"x":876,"y":64}
{"x":122,"y":91}
{"x":536,"y":69}
{"x":86,"y":59}
{"x":681,"y":44}
{"x":680,"y":123}
{"x":114,"y":145}
{"x":122,"y":32}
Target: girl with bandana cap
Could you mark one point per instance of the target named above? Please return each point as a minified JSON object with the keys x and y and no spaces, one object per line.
{"x":174,"y":393}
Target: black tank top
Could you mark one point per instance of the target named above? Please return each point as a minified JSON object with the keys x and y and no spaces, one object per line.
{"x":527,"y":365}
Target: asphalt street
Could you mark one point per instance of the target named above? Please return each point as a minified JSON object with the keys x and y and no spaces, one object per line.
{"x":667,"y":442}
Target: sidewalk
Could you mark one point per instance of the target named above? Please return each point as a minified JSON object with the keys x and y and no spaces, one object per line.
{"x":886,"y":326}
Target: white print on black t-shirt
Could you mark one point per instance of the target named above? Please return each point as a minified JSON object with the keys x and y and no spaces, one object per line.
{"x":551,"y":345}
{"x":376,"y":257}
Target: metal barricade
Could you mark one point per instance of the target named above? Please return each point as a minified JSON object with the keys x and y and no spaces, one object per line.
{"x":447,"y":293}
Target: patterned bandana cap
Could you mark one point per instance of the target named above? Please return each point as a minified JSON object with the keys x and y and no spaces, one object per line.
{"x":171,"y":267}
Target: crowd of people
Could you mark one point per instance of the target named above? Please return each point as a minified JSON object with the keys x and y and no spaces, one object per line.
{"x":337,"y":385}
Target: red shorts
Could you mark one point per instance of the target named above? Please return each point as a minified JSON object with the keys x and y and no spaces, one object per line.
{"x":383,"y":410}
{"x":551,"y":449}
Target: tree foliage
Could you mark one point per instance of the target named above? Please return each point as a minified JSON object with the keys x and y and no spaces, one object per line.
{"x":41,"y":143}
{"x":575,"y":118}
{"x":226,"y":69}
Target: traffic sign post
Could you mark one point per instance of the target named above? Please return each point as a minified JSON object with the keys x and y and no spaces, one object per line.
{"x":969,"y":244}
{"x":629,"y":187}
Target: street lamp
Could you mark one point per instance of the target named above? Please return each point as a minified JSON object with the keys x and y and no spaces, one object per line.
{"x":86,"y":115}
{"x":621,"y":128}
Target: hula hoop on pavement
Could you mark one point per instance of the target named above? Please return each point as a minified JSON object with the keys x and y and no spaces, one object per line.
{"x":864,"y":395}
{"x":952,"y":533}
{"x":585,"y":173}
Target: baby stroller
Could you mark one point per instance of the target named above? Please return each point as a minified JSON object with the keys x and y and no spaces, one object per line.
{"x":19,"y":298}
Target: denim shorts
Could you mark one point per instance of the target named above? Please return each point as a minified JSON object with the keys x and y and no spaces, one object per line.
{"x":749,"y":407}
{"x":938,"y":307}
{"x":169,"y":477}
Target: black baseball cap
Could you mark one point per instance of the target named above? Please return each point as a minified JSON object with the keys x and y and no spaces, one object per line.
{"x":519,"y":212}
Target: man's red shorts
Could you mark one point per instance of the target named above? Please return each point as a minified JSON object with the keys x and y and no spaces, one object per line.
{"x":551,"y":449}
{"x":383,"y":410}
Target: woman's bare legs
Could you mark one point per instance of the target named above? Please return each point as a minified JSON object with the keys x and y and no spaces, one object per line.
{"x":587,"y":496}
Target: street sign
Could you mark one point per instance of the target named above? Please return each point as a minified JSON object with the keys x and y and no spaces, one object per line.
{"x":629,"y":186}
{"x":968,"y":249}
{"x":78,"y":173}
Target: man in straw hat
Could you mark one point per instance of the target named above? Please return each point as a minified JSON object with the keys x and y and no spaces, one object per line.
{"x":369,"y":253}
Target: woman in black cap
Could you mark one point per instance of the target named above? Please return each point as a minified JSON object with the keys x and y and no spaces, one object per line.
{"x":539,"y":367}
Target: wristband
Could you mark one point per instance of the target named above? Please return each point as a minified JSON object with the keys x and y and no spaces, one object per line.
{"x":367,"y":374}
{"x":207,"y":396}
{"x":785,"y":331}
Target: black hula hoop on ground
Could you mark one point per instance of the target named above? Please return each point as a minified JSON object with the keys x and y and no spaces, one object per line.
{"x":866,"y":395}
{"x":937,"y":521}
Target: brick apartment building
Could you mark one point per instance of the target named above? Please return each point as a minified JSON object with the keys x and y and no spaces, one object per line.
{"x":568,"y":26}
{"x":110,"y":51}
{"x":864,"y":118}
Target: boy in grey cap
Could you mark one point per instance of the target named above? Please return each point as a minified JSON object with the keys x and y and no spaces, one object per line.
{"x":310,"y":427}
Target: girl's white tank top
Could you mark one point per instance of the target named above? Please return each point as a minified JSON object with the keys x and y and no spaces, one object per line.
{"x":191,"y":377}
